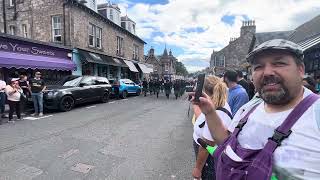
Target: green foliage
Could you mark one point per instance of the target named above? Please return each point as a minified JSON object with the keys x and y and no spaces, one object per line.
{"x":181,"y":69}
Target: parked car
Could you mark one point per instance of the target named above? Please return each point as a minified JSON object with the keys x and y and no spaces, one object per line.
{"x":77,"y":90}
{"x":127,"y":87}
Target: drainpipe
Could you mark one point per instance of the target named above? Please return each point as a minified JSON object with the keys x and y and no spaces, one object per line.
{"x":64,"y":23}
{"x":4,"y":16}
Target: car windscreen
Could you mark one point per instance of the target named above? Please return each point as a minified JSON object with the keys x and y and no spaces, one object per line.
{"x":74,"y":82}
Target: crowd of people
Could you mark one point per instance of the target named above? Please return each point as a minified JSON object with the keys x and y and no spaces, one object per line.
{"x":16,"y":95}
{"x":157,"y":86}
{"x":268,"y":129}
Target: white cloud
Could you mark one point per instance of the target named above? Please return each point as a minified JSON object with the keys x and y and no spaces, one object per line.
{"x":173,"y":18}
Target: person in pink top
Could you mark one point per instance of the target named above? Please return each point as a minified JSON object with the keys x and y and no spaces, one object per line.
{"x":13,"y":92}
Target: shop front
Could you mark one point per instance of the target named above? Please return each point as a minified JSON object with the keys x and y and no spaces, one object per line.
{"x":24,"y":56}
{"x":96,"y":64}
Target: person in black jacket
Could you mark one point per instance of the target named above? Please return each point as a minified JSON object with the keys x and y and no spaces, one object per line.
{"x":157,"y":85}
{"x":145,"y":86}
{"x":167,"y":88}
{"x":244,"y":84}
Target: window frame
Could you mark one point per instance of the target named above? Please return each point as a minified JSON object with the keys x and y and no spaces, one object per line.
{"x":133,"y":28}
{"x":92,"y":30}
{"x":12,"y":30}
{"x":119,"y":46}
{"x":219,"y":61}
{"x":25,"y":30}
{"x":54,"y":36}
{"x":11,"y":3}
{"x":111,"y":15}
{"x":135,"y":54}
{"x":98,"y":39}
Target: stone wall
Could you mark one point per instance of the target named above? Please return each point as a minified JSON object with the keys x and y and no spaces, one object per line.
{"x":37,"y":15}
{"x":235,"y":52}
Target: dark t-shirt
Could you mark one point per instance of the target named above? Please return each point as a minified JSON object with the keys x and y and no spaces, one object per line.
{"x":24,"y":86}
{"x":36,"y":85}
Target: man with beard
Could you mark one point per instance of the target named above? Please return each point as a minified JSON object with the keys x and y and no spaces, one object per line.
{"x":294,"y":153}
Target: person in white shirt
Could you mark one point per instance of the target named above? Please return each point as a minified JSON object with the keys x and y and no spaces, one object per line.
{"x":13,"y":92}
{"x":278,"y":71}
{"x":3,"y":85}
{"x":217,"y":90}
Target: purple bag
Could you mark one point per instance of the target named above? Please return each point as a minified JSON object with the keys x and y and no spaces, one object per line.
{"x":256,"y":164}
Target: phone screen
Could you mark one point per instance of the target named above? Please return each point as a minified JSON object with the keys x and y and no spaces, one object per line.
{"x":199,"y":88}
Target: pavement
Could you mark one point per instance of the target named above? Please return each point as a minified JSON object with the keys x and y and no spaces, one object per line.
{"x":136,"y":138}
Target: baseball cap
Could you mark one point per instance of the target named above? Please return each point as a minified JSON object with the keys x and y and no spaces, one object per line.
{"x":276,"y":44}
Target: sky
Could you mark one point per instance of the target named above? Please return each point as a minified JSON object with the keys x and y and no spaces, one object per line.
{"x":192,"y":29}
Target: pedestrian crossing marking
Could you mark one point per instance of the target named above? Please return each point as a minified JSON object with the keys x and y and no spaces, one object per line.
{"x":111,"y":102}
{"x":89,"y":107}
{"x":36,"y":118}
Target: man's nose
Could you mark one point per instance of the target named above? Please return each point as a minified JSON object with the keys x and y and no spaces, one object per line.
{"x":268,"y":70}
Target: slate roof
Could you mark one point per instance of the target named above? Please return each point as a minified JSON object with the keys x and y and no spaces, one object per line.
{"x":306,"y":30}
{"x":310,"y":42}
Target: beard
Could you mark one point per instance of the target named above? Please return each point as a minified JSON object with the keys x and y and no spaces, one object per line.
{"x":279,"y":96}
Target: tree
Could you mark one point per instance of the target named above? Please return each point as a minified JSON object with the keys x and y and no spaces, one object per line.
{"x":181,"y":69}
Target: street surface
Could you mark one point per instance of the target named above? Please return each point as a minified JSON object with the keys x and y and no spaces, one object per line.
{"x":136,"y":138}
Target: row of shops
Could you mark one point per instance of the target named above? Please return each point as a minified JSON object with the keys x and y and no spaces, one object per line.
{"x":24,"y":56}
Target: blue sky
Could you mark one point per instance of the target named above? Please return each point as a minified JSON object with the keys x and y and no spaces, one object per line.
{"x":194,"y":28}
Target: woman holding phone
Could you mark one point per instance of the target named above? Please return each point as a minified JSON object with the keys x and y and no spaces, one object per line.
{"x":217,"y":90}
{"x":13,"y":92}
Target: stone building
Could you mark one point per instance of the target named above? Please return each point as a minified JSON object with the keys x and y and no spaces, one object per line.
{"x":101,"y":47}
{"x":164,"y":66}
{"x":233,"y":55}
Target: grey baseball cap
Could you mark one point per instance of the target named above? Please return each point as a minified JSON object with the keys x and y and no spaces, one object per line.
{"x":276,"y":44}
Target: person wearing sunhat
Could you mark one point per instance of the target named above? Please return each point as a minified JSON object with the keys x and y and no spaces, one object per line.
{"x":13,"y":92}
{"x":37,"y":86}
{"x":278,"y":137}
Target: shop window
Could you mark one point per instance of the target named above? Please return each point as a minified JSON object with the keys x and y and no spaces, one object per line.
{"x":57,"y":29}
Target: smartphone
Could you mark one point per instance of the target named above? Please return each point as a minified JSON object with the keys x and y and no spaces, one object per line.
{"x":199,"y":88}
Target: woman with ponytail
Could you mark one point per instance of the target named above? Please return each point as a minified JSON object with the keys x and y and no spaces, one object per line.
{"x":217,"y":90}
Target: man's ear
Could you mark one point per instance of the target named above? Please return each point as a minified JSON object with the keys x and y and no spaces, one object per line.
{"x":301,"y":69}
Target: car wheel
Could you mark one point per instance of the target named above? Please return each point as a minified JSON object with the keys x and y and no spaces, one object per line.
{"x":138,"y":92}
{"x":124,"y":95}
{"x":105,"y":98}
{"x":66,"y":103}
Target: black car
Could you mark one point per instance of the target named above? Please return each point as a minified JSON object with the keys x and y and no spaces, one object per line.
{"x":77,"y":90}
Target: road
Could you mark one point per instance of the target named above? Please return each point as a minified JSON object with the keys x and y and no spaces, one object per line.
{"x":136,"y":138}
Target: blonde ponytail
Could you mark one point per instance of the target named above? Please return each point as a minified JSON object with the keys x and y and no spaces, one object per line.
{"x":217,"y":90}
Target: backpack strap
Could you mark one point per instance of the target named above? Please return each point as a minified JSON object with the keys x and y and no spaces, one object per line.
{"x":225,"y":111}
{"x":284,"y":130}
{"x":220,"y":109}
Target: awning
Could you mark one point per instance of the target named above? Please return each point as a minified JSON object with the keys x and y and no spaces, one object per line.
{"x":120,"y":62}
{"x":96,"y":58}
{"x":131,"y":66}
{"x":25,"y":61}
{"x":144,"y":68}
